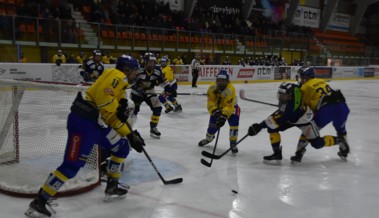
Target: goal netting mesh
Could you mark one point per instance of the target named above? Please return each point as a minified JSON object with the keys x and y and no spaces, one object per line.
{"x":33,"y":138}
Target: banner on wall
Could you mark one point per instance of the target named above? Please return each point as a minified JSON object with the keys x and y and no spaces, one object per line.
{"x":323,"y":72}
{"x":339,"y":22}
{"x":69,"y":73}
{"x":369,"y":72}
{"x":223,"y":7}
{"x":26,"y":71}
{"x":236,"y":72}
{"x":345,"y":72}
{"x":306,"y":16}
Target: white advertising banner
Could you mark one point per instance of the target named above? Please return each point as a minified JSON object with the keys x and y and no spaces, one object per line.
{"x":339,"y":22}
{"x":236,"y":72}
{"x":39,"y":72}
{"x":306,"y":16}
{"x":70,"y":73}
{"x":347,"y":72}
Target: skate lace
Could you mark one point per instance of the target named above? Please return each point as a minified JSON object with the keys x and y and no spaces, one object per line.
{"x":50,"y":204}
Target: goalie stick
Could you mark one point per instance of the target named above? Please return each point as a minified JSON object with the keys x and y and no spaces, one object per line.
{"x":166,"y":182}
{"x":216,"y":157}
{"x":242,"y":96}
{"x":206,"y":163}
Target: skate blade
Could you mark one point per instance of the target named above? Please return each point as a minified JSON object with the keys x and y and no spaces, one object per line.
{"x":295,"y":163}
{"x":110,"y":198}
{"x":272,"y":162}
{"x":155,"y":136}
{"x":342,"y":157}
{"x":34,"y":214}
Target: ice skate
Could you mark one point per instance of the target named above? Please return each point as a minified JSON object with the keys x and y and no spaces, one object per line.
{"x":204,"y":142}
{"x":178,"y":108}
{"x":344,"y":147}
{"x":113,"y":191}
{"x":233,"y":147}
{"x":169,"y":109}
{"x":275,"y":158}
{"x":296,"y":159}
{"x":155,"y":133}
{"x":37,"y":209}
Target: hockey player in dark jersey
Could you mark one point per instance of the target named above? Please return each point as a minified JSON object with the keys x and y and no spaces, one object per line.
{"x":292,"y":112}
{"x":93,"y":67}
{"x":144,"y":91}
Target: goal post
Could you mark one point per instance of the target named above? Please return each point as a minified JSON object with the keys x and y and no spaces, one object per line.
{"x":33,"y":138}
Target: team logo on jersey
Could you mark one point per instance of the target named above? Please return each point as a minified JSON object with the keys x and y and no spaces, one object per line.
{"x":2,"y":71}
{"x":74,"y":147}
{"x":109,"y":91}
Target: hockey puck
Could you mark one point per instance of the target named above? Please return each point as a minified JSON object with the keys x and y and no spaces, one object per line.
{"x":235,"y":192}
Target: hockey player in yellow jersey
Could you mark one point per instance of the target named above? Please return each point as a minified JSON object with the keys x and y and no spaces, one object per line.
{"x":168,"y":96}
{"x":99,"y":119}
{"x":328,"y":105}
{"x":222,"y":105}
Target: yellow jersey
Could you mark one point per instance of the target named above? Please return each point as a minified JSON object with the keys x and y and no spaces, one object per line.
{"x":223,"y":100}
{"x":105,"y":93}
{"x":313,"y":90}
{"x":58,"y":57}
{"x":168,"y":73}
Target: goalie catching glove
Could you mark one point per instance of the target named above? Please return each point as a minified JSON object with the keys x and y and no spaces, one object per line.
{"x":136,"y":141}
{"x":254,"y":129}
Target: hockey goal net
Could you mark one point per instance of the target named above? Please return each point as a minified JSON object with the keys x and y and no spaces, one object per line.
{"x":33,"y":138}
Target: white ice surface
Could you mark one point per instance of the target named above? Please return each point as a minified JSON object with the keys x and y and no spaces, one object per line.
{"x":322,"y":186}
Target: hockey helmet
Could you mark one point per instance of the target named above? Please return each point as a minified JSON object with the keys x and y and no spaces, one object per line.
{"x":223,"y":74}
{"x":150,"y":60}
{"x":126,"y":62}
{"x":164,"y":61}
{"x":222,"y":79}
{"x":287,"y":92}
{"x":96,"y":53}
{"x":149,"y":57}
{"x":306,"y":72}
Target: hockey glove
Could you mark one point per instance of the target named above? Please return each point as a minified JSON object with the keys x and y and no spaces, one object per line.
{"x":254,"y":129}
{"x":121,"y":110}
{"x":216,"y":113}
{"x":220,"y":122}
{"x":136,"y":141}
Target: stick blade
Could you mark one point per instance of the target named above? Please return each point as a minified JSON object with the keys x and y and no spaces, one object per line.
{"x":174,"y":181}
{"x":206,"y":163}
{"x":209,"y":155}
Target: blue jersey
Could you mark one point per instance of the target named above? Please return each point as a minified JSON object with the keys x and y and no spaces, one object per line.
{"x":147,"y":80}
{"x":292,"y":112}
{"x":92,"y":70}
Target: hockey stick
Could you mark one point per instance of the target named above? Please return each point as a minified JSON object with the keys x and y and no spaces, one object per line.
{"x":206,"y":163}
{"x":213,"y":156}
{"x":173,"y":181}
{"x":242,"y":96}
{"x":166,"y":182}
{"x":193,"y":93}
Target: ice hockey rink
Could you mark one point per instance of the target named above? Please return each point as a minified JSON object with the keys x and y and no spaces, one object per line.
{"x":321,"y":186}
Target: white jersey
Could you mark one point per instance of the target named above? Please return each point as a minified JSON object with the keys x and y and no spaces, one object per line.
{"x":195,"y":64}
